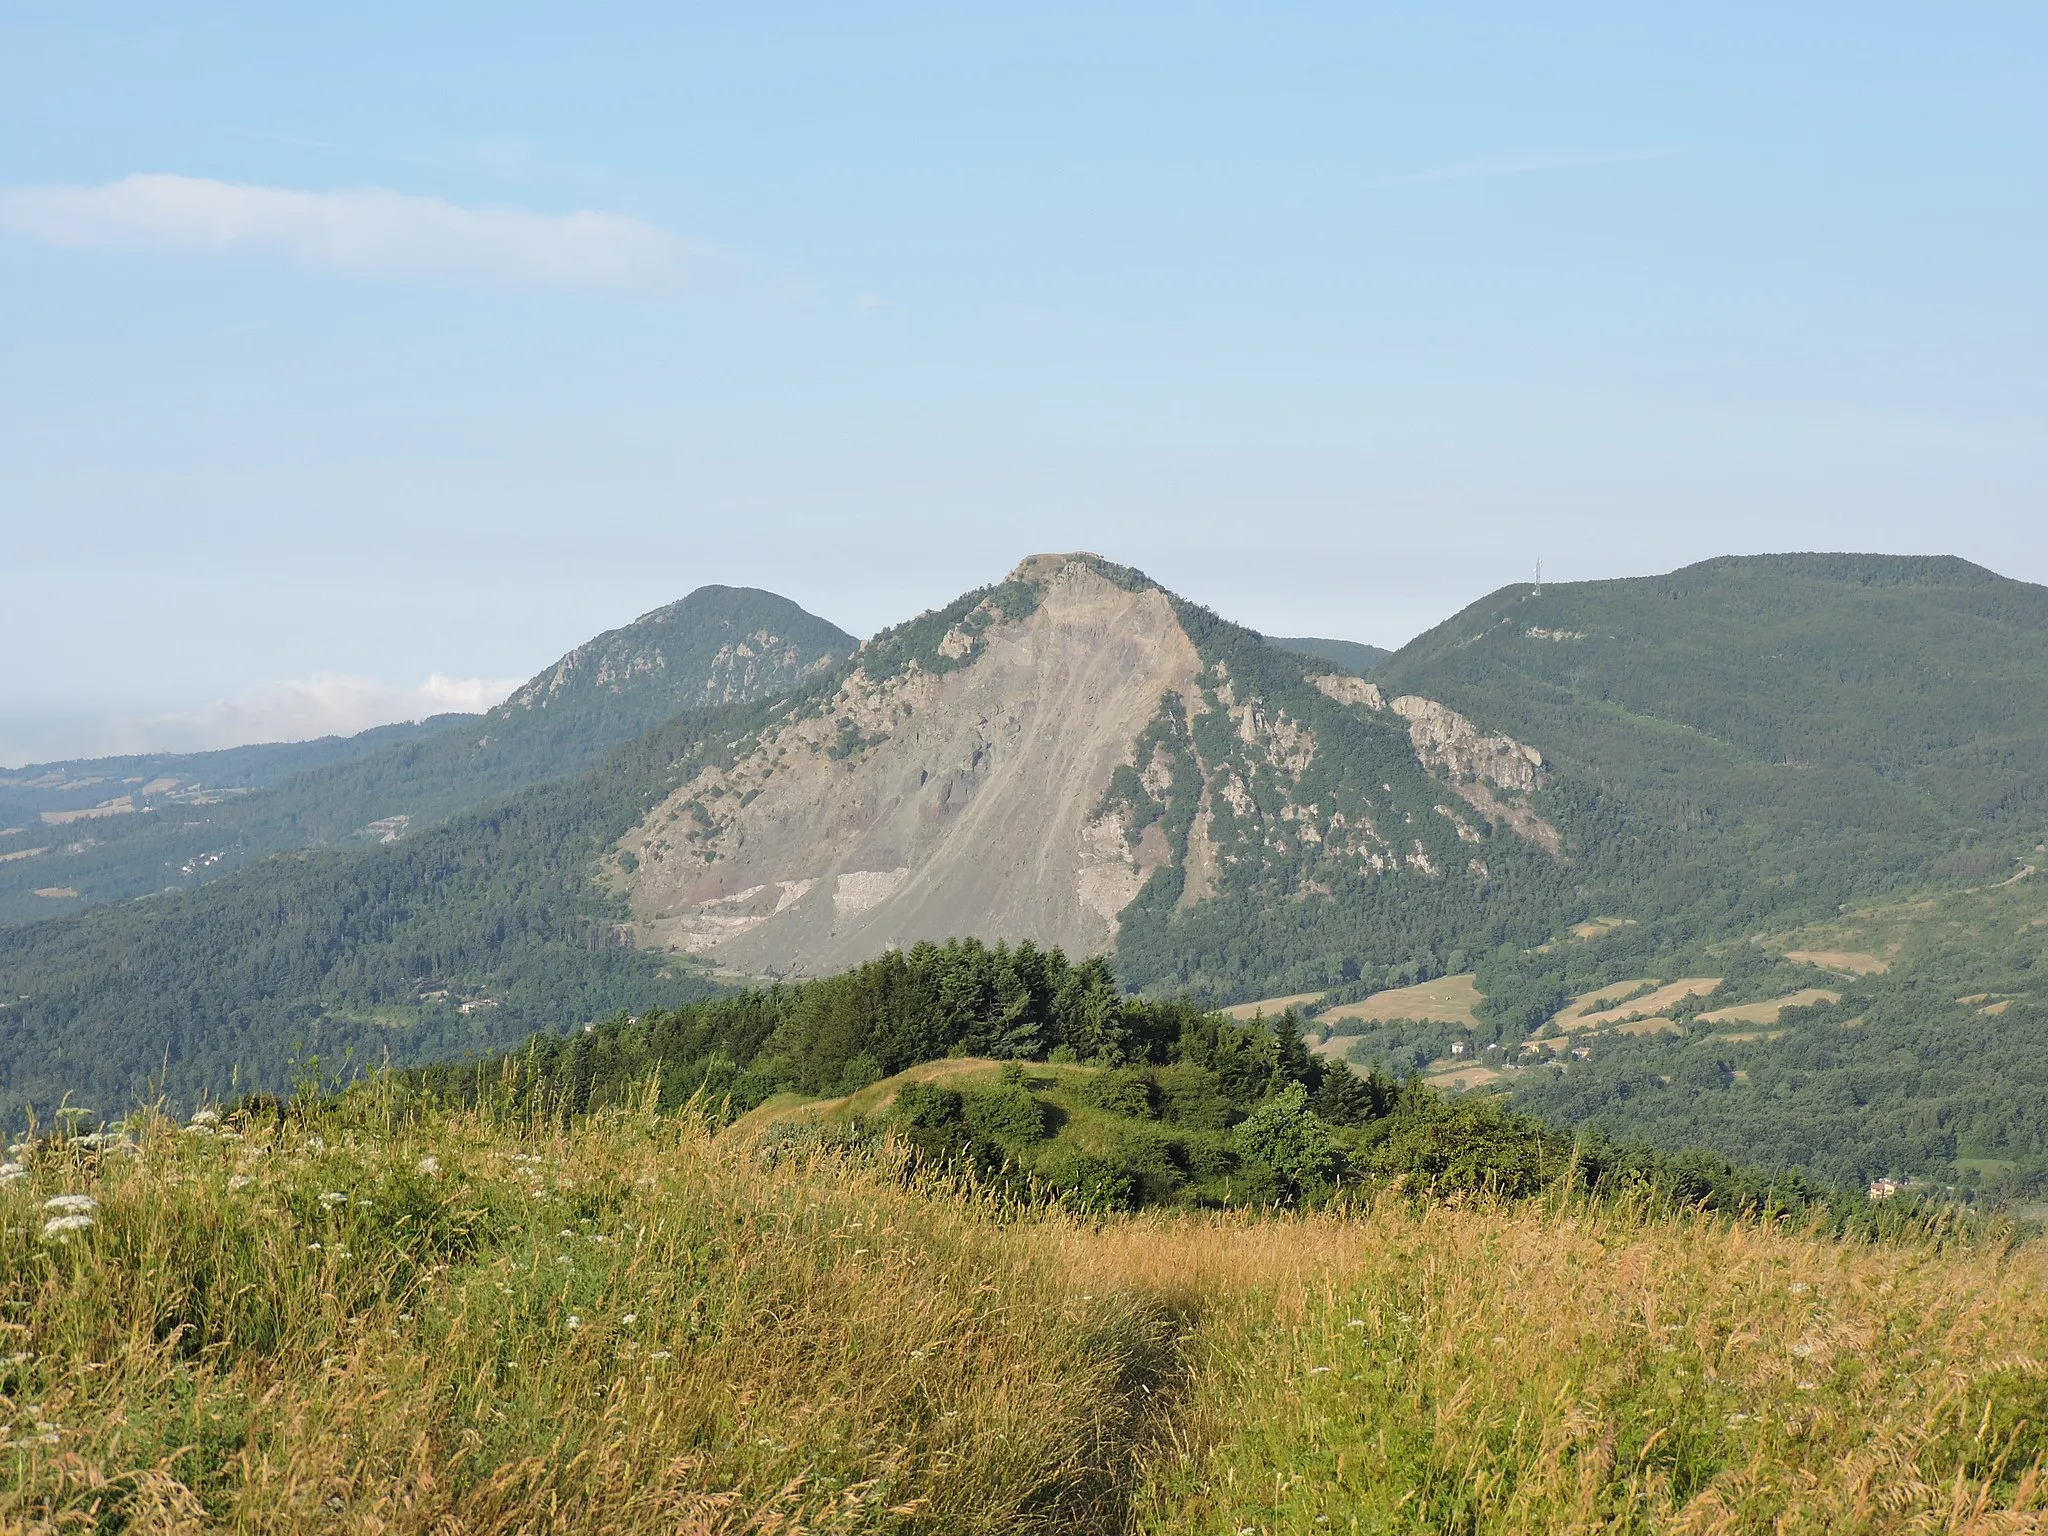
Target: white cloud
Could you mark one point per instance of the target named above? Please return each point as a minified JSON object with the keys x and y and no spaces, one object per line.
{"x":368,"y":231}
{"x":329,"y":704}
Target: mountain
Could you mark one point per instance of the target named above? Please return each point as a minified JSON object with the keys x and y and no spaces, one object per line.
{"x":191,"y":819}
{"x":1071,"y":756}
{"x":95,"y":788}
{"x":1777,"y":802}
{"x":1354,"y":656}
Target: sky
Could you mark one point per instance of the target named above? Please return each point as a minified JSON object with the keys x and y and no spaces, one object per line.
{"x":355,"y":361}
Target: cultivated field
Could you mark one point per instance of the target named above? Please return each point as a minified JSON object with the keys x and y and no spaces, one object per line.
{"x":1447,"y":1000}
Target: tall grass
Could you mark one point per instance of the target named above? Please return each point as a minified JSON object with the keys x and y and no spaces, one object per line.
{"x":455,"y":1326}
{"x":1536,"y":1368}
{"x":450,"y":1322}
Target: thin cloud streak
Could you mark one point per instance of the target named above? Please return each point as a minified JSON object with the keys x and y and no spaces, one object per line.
{"x":301,"y":709}
{"x":1528,"y":165}
{"x":364,"y":232}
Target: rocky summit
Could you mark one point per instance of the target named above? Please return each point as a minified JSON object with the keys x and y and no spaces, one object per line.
{"x":1034,"y":761}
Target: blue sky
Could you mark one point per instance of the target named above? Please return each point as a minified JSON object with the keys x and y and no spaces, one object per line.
{"x":341,"y":350}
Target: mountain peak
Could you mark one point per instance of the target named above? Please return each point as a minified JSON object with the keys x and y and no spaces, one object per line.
{"x":1039,"y":569}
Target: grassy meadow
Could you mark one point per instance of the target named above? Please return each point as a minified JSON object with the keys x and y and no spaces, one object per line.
{"x":359,"y":1318}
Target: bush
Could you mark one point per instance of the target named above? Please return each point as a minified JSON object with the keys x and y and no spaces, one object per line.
{"x":1284,"y":1135}
{"x":1089,"y":1183}
{"x":1007,"y":1113}
{"x":1119,"y":1092}
{"x":927,"y":1107}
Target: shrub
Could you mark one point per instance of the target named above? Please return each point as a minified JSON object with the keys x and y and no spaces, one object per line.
{"x":1119,"y":1091}
{"x":1284,"y":1135}
{"x":1008,"y":1113}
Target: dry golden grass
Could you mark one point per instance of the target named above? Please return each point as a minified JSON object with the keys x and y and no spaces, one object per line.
{"x":1650,"y":1003}
{"x":1525,"y":1369}
{"x":629,"y":1328}
{"x":452,"y":1325}
{"x":1597,"y":927}
{"x":1848,"y":961}
{"x":1447,"y":1000}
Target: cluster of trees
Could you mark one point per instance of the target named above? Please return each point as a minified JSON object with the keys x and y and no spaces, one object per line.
{"x":1201,"y":1106}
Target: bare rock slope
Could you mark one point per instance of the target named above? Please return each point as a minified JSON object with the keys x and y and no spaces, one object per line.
{"x":924,"y":805}
{"x":1027,"y":763}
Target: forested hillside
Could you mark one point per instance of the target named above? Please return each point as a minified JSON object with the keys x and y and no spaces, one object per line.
{"x":1760,"y":735}
{"x":191,"y":820}
{"x":468,"y":936}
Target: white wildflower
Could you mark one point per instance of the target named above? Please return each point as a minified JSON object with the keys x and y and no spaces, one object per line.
{"x":430,"y":1165}
{"x":1356,"y":1322}
{"x":71,"y":1205}
{"x":1804,"y":1349}
{"x":630,"y":1319}
{"x":11,"y":1173}
{"x":64,"y":1226}
{"x":1319,"y":1370}
{"x":316,"y":1143}
{"x":332,"y":1198}
{"x":206,"y":1117}
{"x":575,"y":1321}
{"x":661,"y":1354}
{"x":1798,"y":1287}
{"x":239,"y":1181}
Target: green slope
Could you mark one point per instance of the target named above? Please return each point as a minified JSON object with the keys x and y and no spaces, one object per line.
{"x":719,"y":645}
{"x":1770,"y":734}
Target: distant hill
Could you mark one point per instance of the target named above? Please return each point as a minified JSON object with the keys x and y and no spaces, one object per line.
{"x":92,"y":835}
{"x":1354,"y":656}
{"x":1777,"y":733}
{"x":82,"y":785}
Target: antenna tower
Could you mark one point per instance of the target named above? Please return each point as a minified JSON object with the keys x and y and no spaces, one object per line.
{"x":1539,"y":579}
